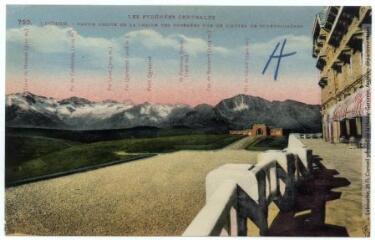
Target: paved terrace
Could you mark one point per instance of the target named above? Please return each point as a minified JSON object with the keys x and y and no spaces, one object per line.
{"x":341,"y":186}
{"x":333,"y":200}
{"x":161,"y":195}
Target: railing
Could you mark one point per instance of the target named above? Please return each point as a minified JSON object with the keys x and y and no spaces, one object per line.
{"x":218,"y":213}
{"x":309,"y":135}
{"x":238,"y":192}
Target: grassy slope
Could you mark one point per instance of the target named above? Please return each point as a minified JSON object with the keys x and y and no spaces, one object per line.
{"x":90,"y":136}
{"x":20,"y":149}
{"x":60,"y":156}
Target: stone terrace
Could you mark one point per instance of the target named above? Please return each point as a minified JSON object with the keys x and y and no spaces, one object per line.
{"x":331,"y":204}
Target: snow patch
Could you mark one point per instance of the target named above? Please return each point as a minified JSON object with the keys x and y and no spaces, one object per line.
{"x":240,"y":107}
{"x":129,"y":115}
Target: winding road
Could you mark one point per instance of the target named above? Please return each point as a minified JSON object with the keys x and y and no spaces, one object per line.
{"x":240,"y":144}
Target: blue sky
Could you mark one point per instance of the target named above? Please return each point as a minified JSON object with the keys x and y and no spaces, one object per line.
{"x":49,"y":52}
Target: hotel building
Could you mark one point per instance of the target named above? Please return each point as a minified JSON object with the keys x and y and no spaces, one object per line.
{"x":342,"y":48}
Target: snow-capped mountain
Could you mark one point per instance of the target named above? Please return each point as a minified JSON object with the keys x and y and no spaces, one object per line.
{"x":238,"y":112}
{"x":29,"y":110}
{"x":242,"y":111}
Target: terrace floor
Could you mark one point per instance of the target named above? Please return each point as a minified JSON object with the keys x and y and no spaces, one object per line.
{"x":162,"y":194}
{"x":331,"y":203}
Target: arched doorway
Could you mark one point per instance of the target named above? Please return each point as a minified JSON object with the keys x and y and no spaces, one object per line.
{"x":259,"y":132}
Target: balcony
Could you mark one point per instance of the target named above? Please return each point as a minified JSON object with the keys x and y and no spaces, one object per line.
{"x":286,"y":194}
{"x":237,"y":192}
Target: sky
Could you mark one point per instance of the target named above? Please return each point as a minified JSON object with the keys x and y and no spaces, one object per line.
{"x":195,"y":55}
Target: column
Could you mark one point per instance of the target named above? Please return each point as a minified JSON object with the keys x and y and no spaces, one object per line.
{"x":347,"y":125}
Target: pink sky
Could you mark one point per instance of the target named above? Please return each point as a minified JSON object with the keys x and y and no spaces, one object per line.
{"x":170,"y":91}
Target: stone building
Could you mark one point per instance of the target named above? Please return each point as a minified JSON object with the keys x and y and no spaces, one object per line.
{"x":240,"y":132}
{"x":342,"y":47}
{"x":259,"y":130}
{"x":264,"y":130}
{"x":277,"y":132}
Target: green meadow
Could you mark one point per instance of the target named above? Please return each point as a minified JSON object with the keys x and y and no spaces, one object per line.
{"x":33,"y":155}
{"x":268,"y":143}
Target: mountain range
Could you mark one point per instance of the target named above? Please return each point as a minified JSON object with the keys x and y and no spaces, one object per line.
{"x":238,"y":112}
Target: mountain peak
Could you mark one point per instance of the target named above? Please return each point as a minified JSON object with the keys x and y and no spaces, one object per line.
{"x":25,"y":96}
{"x":26,"y":93}
{"x":203,"y":106}
{"x":75,"y":100}
{"x":245,"y":97}
{"x":237,"y":112}
{"x":128,"y":102}
{"x":110,"y":101}
{"x":241,"y":95}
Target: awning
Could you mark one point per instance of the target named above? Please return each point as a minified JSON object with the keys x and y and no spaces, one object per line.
{"x":353,"y":106}
{"x":340,"y":111}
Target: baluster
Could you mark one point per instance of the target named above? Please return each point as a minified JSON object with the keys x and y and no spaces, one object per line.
{"x":241,"y":225}
{"x":290,"y":183}
{"x":273,"y":181}
{"x":268,"y":184}
{"x":241,"y":208}
{"x":262,"y":185}
{"x":286,"y":201}
{"x":309,"y":156}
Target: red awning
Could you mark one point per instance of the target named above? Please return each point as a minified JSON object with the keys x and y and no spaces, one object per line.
{"x":340,"y":111}
{"x":353,"y":106}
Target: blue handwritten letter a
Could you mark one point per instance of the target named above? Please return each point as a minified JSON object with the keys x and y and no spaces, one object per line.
{"x":281,"y":55}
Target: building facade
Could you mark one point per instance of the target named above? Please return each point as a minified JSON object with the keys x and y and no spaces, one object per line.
{"x":259,"y":129}
{"x":342,"y":48}
{"x":240,"y":132}
{"x":277,"y":132}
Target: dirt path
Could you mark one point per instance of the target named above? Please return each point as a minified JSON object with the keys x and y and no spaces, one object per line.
{"x":240,"y":144}
{"x":155,"y":196}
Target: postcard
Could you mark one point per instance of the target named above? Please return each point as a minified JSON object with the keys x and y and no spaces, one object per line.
{"x":187,"y":120}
